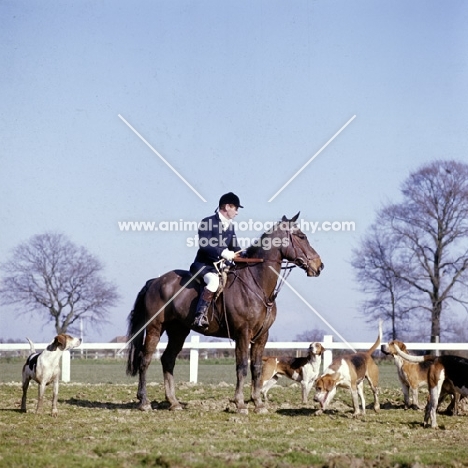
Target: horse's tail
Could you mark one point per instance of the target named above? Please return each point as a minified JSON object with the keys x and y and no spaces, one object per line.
{"x":136,"y":331}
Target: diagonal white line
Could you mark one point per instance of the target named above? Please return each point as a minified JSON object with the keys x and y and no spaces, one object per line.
{"x":312,"y":309}
{"x":160,"y":157}
{"x":312,"y":158}
{"x":160,"y":310}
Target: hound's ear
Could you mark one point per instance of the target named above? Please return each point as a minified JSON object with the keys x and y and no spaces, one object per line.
{"x":60,"y":342}
{"x":63,"y":342}
{"x":294,"y":218}
{"x":55,"y":344}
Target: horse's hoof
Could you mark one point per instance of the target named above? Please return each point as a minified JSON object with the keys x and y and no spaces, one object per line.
{"x":242,"y":411}
{"x":176,"y":407}
{"x":261,"y":410}
{"x":144,"y":407}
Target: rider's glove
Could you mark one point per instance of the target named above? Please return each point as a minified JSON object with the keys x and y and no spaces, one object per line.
{"x":228,"y":254}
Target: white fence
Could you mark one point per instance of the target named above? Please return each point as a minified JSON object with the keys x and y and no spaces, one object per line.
{"x":195,"y":345}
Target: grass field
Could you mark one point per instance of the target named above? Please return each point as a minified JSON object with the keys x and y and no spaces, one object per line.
{"x":113,"y":371}
{"x":98,"y":425}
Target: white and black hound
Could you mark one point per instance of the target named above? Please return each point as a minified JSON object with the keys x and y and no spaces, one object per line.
{"x":44,"y":368}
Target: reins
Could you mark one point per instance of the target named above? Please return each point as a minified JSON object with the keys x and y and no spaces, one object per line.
{"x":283,"y":277}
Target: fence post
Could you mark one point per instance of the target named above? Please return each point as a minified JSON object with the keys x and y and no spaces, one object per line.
{"x":327,"y":355}
{"x":194,"y":359}
{"x":66,"y":366}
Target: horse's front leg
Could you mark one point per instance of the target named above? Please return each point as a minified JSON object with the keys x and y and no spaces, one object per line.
{"x":242,"y":364}
{"x":256,"y":364}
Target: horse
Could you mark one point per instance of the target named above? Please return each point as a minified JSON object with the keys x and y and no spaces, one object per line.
{"x":243,"y":312}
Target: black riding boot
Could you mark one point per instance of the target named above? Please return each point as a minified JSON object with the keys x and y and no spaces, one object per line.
{"x":201,"y":319}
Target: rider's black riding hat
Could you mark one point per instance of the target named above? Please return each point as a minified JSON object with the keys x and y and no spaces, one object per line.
{"x":230,"y":199}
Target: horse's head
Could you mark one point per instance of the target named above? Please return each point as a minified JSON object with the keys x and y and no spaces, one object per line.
{"x":295,"y":247}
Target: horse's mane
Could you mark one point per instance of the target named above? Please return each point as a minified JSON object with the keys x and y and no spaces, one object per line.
{"x":253,"y":251}
{"x":256,"y":250}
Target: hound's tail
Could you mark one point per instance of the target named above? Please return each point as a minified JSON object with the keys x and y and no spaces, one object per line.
{"x":379,"y":339}
{"x":411,"y":358}
{"x":136,"y":332}
{"x":31,"y":345}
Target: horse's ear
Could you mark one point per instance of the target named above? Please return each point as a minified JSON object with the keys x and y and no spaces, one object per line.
{"x":294,"y":218}
{"x":284,"y":219}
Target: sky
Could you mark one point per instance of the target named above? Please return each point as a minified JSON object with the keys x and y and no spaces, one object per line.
{"x":235,"y":96}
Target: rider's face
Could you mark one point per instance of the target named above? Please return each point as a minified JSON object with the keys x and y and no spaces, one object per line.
{"x":230,"y":211}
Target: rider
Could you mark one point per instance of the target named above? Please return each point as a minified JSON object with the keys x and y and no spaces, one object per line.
{"x":216,"y":240}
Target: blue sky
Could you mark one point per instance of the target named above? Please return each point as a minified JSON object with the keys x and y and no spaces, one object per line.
{"x":237,"y":96}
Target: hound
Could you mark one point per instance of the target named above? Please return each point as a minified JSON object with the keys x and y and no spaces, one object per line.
{"x":44,"y":368}
{"x":412,"y":375}
{"x":301,"y":369}
{"x":349,"y":371}
{"x":447,"y":370}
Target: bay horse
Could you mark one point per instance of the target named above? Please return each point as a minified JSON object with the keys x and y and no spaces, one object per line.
{"x":244,"y":312}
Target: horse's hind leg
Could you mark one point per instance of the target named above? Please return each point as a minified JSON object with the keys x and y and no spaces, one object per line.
{"x":256,"y":363}
{"x":242,"y":355}
{"x":176,"y":337}
{"x":151,"y":341}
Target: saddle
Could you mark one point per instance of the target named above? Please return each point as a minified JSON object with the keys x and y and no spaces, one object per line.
{"x":222,"y":283}
{"x":188,"y":275}
{"x":222,"y":273}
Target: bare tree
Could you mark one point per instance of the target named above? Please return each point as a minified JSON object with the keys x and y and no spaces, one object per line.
{"x":390,"y":297}
{"x":50,"y":275}
{"x":316,"y":334}
{"x":429,"y":232}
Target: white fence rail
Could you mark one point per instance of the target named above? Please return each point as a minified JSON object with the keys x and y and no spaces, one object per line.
{"x":195,"y":346}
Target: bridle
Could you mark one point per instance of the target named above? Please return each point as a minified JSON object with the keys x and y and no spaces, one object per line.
{"x":298,"y":259}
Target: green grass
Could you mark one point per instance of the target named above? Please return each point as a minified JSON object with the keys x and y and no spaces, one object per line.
{"x":211,"y":371}
{"x":98,"y":426}
{"x":113,"y":371}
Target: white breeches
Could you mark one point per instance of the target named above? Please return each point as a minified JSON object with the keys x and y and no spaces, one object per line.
{"x":212,"y":281}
